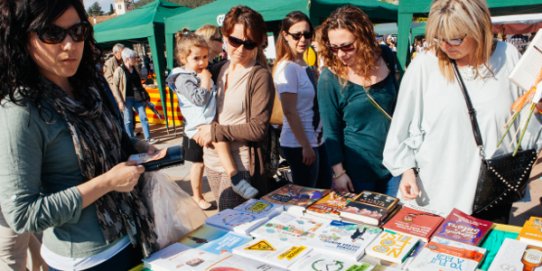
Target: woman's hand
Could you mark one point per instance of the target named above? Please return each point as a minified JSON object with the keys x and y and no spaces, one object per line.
{"x":409,"y":186}
{"x":144,"y":147}
{"x":342,"y":184}
{"x":124,"y":176}
{"x":203,"y":136}
{"x":308,"y":156}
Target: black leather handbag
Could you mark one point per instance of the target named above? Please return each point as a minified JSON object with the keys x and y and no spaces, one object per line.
{"x":502,"y":180}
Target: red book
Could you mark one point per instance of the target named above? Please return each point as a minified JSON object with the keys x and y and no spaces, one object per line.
{"x":464,"y":228}
{"x":413,"y":222}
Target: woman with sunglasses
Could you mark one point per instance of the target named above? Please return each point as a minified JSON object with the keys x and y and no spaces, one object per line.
{"x":295,"y":83}
{"x":431,"y":142}
{"x":244,"y":101}
{"x":356,"y":94}
{"x":63,"y":151}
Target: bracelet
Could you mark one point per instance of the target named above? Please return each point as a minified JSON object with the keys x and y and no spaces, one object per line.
{"x":336,"y":176}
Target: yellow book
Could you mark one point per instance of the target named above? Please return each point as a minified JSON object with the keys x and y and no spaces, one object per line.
{"x":531,"y":233}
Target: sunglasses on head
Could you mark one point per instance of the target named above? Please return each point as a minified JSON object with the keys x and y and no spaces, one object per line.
{"x":235,"y":42}
{"x":345,"y":48}
{"x":53,"y":34}
{"x":451,"y":42}
{"x":298,"y":35}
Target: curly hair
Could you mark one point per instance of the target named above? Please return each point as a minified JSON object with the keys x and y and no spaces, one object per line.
{"x":254,"y":26}
{"x":284,"y":52}
{"x":184,"y":44}
{"x":17,"y":20}
{"x":367,"y":50}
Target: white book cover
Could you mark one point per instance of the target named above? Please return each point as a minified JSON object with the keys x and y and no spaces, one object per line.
{"x":288,"y":228}
{"x":180,"y":257}
{"x":315,"y":261}
{"x":515,"y":255}
{"x":236,"y":221}
{"x":529,"y":66}
{"x":239,"y":263}
{"x":276,"y":253}
{"x":392,"y":246}
{"x":430,"y":259}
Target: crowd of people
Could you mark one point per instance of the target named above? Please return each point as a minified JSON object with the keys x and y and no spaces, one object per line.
{"x":348,"y":123}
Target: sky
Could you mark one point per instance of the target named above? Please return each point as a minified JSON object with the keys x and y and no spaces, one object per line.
{"x":103,"y":3}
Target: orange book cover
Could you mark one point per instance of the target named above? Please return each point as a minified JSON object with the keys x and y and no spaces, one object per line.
{"x":414,"y":222}
{"x":532,"y":229}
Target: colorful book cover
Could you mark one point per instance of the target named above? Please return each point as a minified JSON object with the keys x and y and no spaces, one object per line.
{"x":295,"y":198}
{"x":237,"y":221}
{"x":436,"y":256}
{"x":516,"y":255}
{"x":288,"y":228}
{"x":331,"y":205}
{"x":383,"y":201}
{"x":392,"y":246}
{"x":180,"y":257}
{"x":463,"y":228}
{"x":274,"y":252}
{"x":364,"y":213}
{"x":531,"y":232}
{"x":321,"y":262}
{"x":414,"y":222}
{"x":238,"y":263}
{"x":214,"y":240}
{"x":260,"y":208}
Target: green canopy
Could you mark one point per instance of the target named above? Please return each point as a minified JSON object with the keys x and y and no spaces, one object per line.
{"x":146,"y":22}
{"x":212,"y":13}
{"x":408,"y":8}
{"x":378,"y":11}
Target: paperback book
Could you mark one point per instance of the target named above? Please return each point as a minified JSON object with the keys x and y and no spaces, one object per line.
{"x":321,"y":262}
{"x":529,"y":65}
{"x":180,"y":257}
{"x":273,"y":252}
{"x":392,"y":246}
{"x":516,"y":255}
{"x":237,"y":221}
{"x":214,"y":240}
{"x":295,"y":198}
{"x":437,"y":256}
{"x":370,"y":207}
{"x":238,"y":263}
{"x":331,"y":205}
{"x":463,"y":228}
{"x":531,"y":232}
{"x":413,"y":222}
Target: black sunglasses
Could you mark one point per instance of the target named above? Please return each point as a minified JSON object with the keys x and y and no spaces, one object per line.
{"x":53,"y":34}
{"x":235,"y":42}
{"x":345,"y":48}
{"x":298,"y":35}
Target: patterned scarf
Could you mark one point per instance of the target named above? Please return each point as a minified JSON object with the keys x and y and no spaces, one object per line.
{"x":98,"y":139}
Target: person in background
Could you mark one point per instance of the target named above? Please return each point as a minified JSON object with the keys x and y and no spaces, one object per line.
{"x":130,"y":94}
{"x":213,"y":37}
{"x":357,"y":92}
{"x":296,"y":84}
{"x":244,"y":101}
{"x":197,"y":99}
{"x":112,"y":63}
{"x":63,"y":168}
{"x":431,"y":142}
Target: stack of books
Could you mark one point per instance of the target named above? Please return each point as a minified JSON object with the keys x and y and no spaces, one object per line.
{"x":370,"y":208}
{"x":295,"y":198}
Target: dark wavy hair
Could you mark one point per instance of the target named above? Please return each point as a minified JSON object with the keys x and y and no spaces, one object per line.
{"x":19,"y":77}
{"x":283,"y":49}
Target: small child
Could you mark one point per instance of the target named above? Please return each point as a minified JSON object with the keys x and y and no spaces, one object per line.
{"x":197,"y":98}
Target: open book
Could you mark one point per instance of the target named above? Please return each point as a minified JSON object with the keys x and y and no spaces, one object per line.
{"x":530,"y":64}
{"x":164,"y":158}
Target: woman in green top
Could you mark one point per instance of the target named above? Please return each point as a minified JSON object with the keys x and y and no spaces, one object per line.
{"x":63,"y":168}
{"x":356,"y":95}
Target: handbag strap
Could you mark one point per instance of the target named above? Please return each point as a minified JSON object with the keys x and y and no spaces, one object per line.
{"x":472,"y":112}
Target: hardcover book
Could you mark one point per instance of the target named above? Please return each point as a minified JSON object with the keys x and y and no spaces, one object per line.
{"x":383,"y":201}
{"x":273,"y":252}
{"x":463,"y":228}
{"x":180,"y":257}
{"x":364,"y":213}
{"x":516,"y":255}
{"x":214,"y":240}
{"x":392,"y":246}
{"x":414,"y":222}
{"x":320,"y":262}
{"x":331,"y":205}
{"x":295,"y":198}
{"x":436,"y":256}
{"x":531,"y":232}
{"x":238,"y":263}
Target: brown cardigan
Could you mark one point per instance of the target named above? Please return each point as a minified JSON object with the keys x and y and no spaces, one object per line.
{"x":259,"y":99}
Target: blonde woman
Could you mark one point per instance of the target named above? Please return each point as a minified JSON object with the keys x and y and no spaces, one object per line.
{"x":213,"y":37}
{"x":356,"y":94}
{"x":431,"y":135}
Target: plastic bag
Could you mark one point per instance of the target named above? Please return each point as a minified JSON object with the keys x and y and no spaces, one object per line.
{"x":174,"y":211}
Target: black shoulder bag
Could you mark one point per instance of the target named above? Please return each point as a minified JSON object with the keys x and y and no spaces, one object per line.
{"x":502,"y":180}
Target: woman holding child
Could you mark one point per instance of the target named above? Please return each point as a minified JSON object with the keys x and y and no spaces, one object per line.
{"x":244,"y":101}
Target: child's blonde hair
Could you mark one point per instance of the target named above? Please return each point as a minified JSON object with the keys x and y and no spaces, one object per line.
{"x":184,"y":42}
